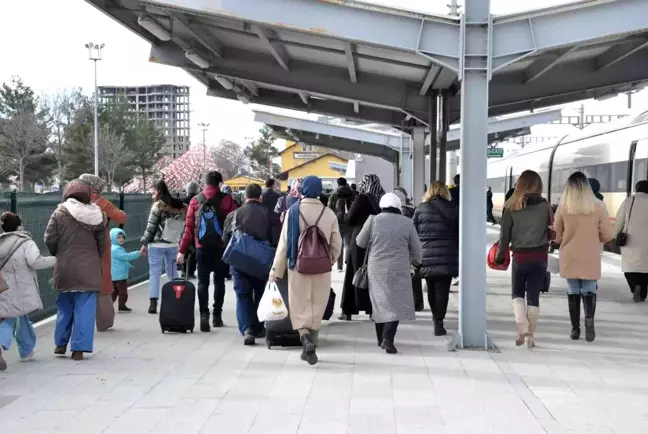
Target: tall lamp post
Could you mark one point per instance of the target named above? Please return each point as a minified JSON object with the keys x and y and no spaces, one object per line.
{"x":94,"y":54}
{"x":204,"y":126}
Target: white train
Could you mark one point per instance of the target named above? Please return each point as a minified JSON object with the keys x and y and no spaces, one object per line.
{"x":615,"y":154}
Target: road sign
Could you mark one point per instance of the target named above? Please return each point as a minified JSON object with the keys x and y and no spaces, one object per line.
{"x":494,"y":152}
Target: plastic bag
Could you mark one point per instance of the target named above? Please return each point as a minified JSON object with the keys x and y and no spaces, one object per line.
{"x":271,"y":306}
{"x":490,"y":259}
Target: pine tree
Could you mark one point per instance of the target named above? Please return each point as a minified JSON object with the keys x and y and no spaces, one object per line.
{"x":261,"y":154}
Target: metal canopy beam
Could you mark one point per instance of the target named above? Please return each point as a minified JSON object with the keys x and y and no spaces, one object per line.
{"x":503,"y":125}
{"x":376,"y":91}
{"x":430,"y":78}
{"x":619,"y":52}
{"x":542,"y":66}
{"x":391,"y":141}
{"x":277,"y":51}
{"x":348,"y":51}
{"x":209,"y":43}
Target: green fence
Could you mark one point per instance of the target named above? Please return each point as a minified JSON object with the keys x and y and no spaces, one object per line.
{"x":35,"y":210}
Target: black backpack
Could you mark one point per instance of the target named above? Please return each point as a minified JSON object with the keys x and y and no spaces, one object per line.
{"x":210,"y":221}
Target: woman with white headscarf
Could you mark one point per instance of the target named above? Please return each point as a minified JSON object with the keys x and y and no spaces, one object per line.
{"x":393,"y":247}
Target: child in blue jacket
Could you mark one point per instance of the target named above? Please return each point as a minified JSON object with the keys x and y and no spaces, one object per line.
{"x":119,"y":268}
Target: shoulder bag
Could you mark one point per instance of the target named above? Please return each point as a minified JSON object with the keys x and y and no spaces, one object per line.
{"x":361,"y":277}
{"x":622,"y":237}
{"x":3,"y":283}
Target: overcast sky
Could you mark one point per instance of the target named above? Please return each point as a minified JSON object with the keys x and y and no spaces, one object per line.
{"x":43,"y":42}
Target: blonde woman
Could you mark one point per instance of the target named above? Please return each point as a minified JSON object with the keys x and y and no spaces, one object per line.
{"x":582,"y":224}
{"x":525,"y":223}
{"x":437,"y":223}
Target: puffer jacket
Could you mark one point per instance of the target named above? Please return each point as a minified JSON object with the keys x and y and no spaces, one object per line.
{"x":76,"y":235}
{"x":21,"y":258}
{"x":158,"y":216}
{"x":437,"y":223}
{"x":121,"y":259}
{"x":340,"y":202}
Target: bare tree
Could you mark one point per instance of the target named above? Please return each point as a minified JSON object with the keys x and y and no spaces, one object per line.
{"x":61,"y":109}
{"x":230,"y":159}
{"x":114,"y":154}
{"x":23,"y":139}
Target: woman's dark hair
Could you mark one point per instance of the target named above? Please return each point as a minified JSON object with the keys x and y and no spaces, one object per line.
{"x":164,"y":195}
{"x":10,"y":221}
{"x":642,"y":187}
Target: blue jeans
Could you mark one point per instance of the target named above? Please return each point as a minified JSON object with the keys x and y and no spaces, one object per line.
{"x":21,"y":329}
{"x":157,"y":256}
{"x":249,"y":291}
{"x":75,"y":320}
{"x":581,"y":286}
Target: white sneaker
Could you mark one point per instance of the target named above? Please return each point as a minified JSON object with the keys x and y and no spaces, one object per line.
{"x":29,"y":358}
{"x":3,"y":362}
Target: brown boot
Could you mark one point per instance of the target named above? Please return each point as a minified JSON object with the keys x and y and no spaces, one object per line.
{"x":77,"y":356}
{"x":521,"y":321}
{"x":533,"y":313}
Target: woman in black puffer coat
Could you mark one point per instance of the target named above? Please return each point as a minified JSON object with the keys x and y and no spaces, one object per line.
{"x":437,"y":222}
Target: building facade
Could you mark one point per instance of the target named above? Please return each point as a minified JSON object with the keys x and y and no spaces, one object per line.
{"x":166,"y":105}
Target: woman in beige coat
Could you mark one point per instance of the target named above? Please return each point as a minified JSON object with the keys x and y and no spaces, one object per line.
{"x":632,"y":219}
{"x":581,"y":225}
{"x":307,"y":293}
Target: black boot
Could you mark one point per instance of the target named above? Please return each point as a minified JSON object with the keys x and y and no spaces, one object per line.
{"x":636,"y":294}
{"x":589,"y":305}
{"x":308,"y":349}
{"x":217,"y":321}
{"x":379,"y":332}
{"x":574,"y":315}
{"x":439,"y":330}
{"x":389,"y":334}
{"x":204,"y":322}
{"x":153,"y":306}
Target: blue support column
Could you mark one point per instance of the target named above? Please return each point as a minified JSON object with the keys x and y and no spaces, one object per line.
{"x":475,"y":75}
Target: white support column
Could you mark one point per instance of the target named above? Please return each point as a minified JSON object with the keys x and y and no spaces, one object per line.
{"x":418,"y":154}
{"x":475,"y":75}
{"x":451,"y":166}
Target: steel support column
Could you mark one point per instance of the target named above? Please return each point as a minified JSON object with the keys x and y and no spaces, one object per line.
{"x":405,"y":162}
{"x":433,"y":112}
{"x":418,"y":160}
{"x":444,"y":112}
{"x":475,"y":68}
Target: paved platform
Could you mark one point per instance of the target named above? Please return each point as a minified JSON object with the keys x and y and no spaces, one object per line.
{"x":140,"y":381}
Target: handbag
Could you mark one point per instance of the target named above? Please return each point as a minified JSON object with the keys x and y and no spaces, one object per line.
{"x":361,"y":277}
{"x":622,"y":237}
{"x":492,"y":254}
{"x":551,"y":233}
{"x":249,"y":255}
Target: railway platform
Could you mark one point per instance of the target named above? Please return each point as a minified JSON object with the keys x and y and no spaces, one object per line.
{"x":140,"y":381}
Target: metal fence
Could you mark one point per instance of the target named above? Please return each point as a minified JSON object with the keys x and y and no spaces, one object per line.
{"x":35,"y":210}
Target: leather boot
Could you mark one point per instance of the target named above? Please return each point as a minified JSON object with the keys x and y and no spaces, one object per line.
{"x":589,"y":306}
{"x":153,"y":306}
{"x":533,"y":313}
{"x":574,"y":315}
{"x":521,"y":321}
{"x":379,"y":332}
{"x":389,"y":334}
{"x":204,"y":322}
{"x":308,"y":349}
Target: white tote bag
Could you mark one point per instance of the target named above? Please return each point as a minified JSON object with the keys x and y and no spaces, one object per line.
{"x":271,"y":306}
{"x":553,"y":264}
{"x":173,"y":229}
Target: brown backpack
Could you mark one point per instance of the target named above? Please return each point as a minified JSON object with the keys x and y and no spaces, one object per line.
{"x":314,"y":251}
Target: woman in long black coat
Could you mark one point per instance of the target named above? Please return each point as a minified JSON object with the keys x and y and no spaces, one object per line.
{"x":365,"y":204}
{"x":437,"y":222}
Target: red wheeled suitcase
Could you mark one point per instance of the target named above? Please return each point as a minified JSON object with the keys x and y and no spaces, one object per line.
{"x":178,"y":300}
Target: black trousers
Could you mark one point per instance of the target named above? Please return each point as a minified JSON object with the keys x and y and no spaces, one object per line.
{"x":209,"y":261}
{"x":386,"y":330}
{"x":438,"y":295}
{"x":190,"y":263}
{"x":638,"y":279}
{"x":528,"y":279}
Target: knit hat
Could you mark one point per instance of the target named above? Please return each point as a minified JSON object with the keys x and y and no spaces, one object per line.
{"x":95,"y":183}
{"x":192,"y":188}
{"x":390,"y":200}
{"x":78,"y":190}
{"x":253,"y":191}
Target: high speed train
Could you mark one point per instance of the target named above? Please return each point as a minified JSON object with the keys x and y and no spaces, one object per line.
{"x":615,"y":154}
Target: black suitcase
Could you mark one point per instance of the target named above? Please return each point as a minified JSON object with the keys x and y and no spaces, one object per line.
{"x":330,"y":306}
{"x":417,"y":289}
{"x":178,"y":301}
{"x":280,"y":333}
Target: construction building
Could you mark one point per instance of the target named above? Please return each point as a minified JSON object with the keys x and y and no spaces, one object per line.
{"x":166,"y":105}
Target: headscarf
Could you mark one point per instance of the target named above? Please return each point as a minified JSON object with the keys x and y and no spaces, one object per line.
{"x":596,"y":188}
{"x":295,"y":189}
{"x":78,"y":190}
{"x":402,"y":197}
{"x":95,"y":183}
{"x":370,"y":184}
{"x":311,"y":188}
{"x":390,"y":200}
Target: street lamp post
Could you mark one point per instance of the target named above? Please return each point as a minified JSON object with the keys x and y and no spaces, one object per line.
{"x":204,"y":126}
{"x":94,"y":54}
